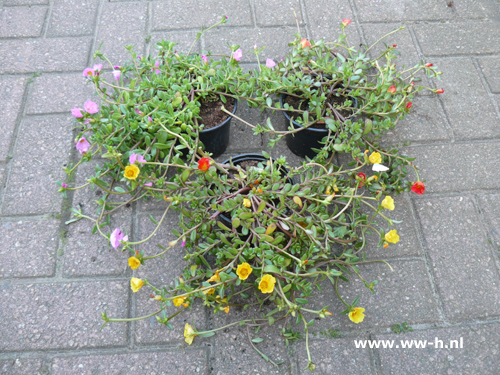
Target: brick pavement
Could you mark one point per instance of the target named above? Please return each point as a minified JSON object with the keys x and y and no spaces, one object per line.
{"x":57,"y":279}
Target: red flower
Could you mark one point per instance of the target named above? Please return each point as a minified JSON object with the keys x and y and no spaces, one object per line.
{"x":363,"y":179}
{"x":392,"y":89}
{"x":346,"y":21}
{"x":203,"y":164}
{"x":394,"y":45}
{"x":440,"y":91}
{"x":408,"y":105}
{"x":429,"y":65}
{"x":305,"y":43}
{"x":418,"y":187}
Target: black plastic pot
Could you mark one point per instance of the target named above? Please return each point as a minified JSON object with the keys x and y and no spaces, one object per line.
{"x":216,"y":139}
{"x":302,"y":143}
{"x":237,"y":160}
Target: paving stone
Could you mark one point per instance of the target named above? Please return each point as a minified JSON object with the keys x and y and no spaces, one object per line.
{"x":60,"y":93}
{"x":442,"y":167}
{"x":20,"y":366}
{"x":11,"y":95}
{"x":490,"y":205}
{"x":73,"y":17}
{"x":3,"y":175}
{"x":43,"y":55}
{"x":491,"y":67}
{"x":22,"y":22}
{"x":150,"y":363}
{"x":161,"y":272}
{"x":184,"y":39}
{"x":325,"y":17}
{"x":62,"y":315}
{"x":275,"y":39}
{"x":87,"y":254}
{"x":122,"y":24}
{"x":195,"y":14}
{"x":25,"y":2}
{"x":29,"y":248}
{"x":480,"y":353}
{"x":393,"y":10}
{"x":471,"y":112}
{"x":458,"y":38}
{"x":43,"y":148}
{"x":278,"y":13}
{"x":461,"y":257}
{"x":242,"y":136}
{"x":402,"y":295}
{"x":334,"y":357}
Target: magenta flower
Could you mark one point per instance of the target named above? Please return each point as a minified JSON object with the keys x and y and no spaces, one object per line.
{"x":237,"y":55}
{"x":183,"y":243}
{"x":117,"y":74}
{"x":148,"y":184}
{"x":63,"y":185}
{"x":77,"y":112}
{"x":150,"y":119}
{"x":116,"y":237}
{"x":87,"y":121}
{"x":82,"y":145}
{"x":97,"y":68}
{"x":91,"y":107}
{"x":157,"y":71}
{"x":88,"y":72}
{"x":136,"y":157}
{"x":270,"y":63}
{"x":204,"y":58}
{"x":138,"y":111}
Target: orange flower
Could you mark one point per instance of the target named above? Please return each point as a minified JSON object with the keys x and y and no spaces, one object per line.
{"x":346,"y":22}
{"x":418,"y":188}
{"x":226,"y":309}
{"x":440,"y":91}
{"x":429,"y":65}
{"x":203,"y":164}
{"x":305,"y":43}
{"x":392,"y":89}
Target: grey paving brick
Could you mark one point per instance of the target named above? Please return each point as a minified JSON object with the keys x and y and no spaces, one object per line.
{"x":29,"y":248}
{"x":22,"y":21}
{"x":53,"y":93}
{"x":490,"y":205}
{"x":122,"y":24}
{"x":195,"y":14}
{"x":442,"y":166}
{"x":36,"y":166}
{"x":278,"y":13}
{"x":184,"y":39}
{"x":20,"y":366}
{"x":43,"y":55}
{"x":479,"y":355}
{"x":25,"y":2}
{"x":461,"y":257}
{"x":334,"y":357}
{"x":155,"y":363}
{"x":161,"y":272}
{"x":87,"y":254}
{"x":11,"y":95}
{"x":62,"y":315}
{"x":242,"y":136}
{"x":491,"y":68}
{"x":3,"y":174}
{"x":72,"y":17}
{"x":390,"y":10}
{"x":275,"y":39}
{"x":471,"y":111}
{"x":458,"y":38}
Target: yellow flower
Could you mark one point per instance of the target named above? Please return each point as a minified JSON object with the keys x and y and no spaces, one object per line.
{"x":247,"y":203}
{"x":266,"y":285}
{"x":215,"y":277}
{"x":136,"y":284}
{"x":132,"y":171}
{"x":243,"y":271}
{"x":209,"y":291}
{"x":357,"y":315}
{"x":375,"y":158}
{"x":388,"y":203}
{"x":226,"y":309}
{"x":189,"y":334}
{"x":392,"y":236}
{"x":134,"y":263}
{"x":328,"y":190}
{"x":179,"y":301}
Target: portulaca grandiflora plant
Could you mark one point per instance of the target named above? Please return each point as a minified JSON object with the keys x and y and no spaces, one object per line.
{"x":256,"y":231}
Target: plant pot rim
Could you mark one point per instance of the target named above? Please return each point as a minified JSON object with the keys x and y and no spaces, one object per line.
{"x":206,"y":131}
{"x":282,"y":97}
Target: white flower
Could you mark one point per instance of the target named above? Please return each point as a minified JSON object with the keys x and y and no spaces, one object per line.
{"x":379,"y":168}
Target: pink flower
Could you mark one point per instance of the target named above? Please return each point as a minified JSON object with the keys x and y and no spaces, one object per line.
{"x":77,"y":112}
{"x":117,"y":74}
{"x":150,"y":119}
{"x":183,"y":243}
{"x":91,"y":107}
{"x":148,"y":184}
{"x":116,"y":237}
{"x":138,"y":111}
{"x":237,"y":55}
{"x":136,"y":157}
{"x":82,"y":145}
{"x":270,"y":63}
{"x":346,"y":21}
{"x":97,"y":68}
{"x":157,"y":71}
{"x":204,"y":58}
{"x":64,"y":185}
{"x":88,"y":72}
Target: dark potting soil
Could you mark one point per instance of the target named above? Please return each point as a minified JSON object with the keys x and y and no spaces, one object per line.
{"x":211,"y":113}
{"x":299,"y":103}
